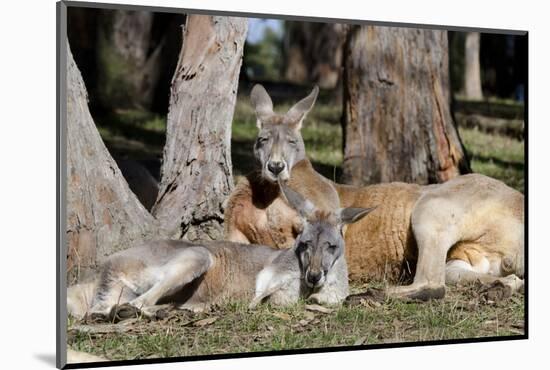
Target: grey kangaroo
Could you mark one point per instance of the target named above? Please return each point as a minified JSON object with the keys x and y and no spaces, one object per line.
{"x":194,"y":275}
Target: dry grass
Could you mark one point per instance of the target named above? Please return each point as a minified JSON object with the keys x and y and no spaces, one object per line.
{"x":234,"y":328}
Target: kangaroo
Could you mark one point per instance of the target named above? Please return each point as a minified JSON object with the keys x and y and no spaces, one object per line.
{"x":195,"y":275}
{"x":469,"y":228}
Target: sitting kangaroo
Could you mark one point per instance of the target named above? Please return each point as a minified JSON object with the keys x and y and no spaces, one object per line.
{"x":195,"y":275}
{"x":469,"y":228}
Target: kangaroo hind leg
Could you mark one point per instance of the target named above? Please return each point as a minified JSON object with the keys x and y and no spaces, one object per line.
{"x":114,"y":287}
{"x":436,"y":231}
{"x":80,"y":298}
{"x":185,"y":267}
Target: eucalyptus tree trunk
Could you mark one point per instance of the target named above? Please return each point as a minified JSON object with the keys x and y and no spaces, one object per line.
{"x":472,"y":70}
{"x":397,"y":121}
{"x":103,"y":215}
{"x":196,"y":175}
{"x":314,"y":52}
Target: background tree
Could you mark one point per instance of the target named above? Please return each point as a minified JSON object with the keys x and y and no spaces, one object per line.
{"x":314,"y":52}
{"x":127,"y":58}
{"x":264,"y":59}
{"x":396,"y":120}
{"x":472,"y":70}
{"x":103,"y":215}
{"x":128,"y":62}
{"x":196,"y":173}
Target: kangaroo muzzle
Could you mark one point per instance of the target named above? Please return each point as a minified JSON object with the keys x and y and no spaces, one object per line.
{"x":275,"y":167}
{"x":314,"y":278}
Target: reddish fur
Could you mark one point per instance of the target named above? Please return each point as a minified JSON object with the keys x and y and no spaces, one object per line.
{"x":382,"y":245}
{"x":255,"y":199}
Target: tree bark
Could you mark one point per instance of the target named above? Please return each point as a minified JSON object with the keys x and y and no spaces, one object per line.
{"x":397,"y":121}
{"x":128,"y":60}
{"x":196,"y":175}
{"x":103,"y":215}
{"x":472,"y":70}
{"x":314,"y":52}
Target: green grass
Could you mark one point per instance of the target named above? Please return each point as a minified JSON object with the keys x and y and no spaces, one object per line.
{"x":238,"y":329}
{"x":497,"y":156}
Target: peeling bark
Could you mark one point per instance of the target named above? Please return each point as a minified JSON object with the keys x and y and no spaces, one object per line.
{"x":397,"y":121}
{"x":196,"y":175}
{"x":103,"y":215}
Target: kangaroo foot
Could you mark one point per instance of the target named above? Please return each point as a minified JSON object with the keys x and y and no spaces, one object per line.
{"x":501,"y":288}
{"x":421,"y":292}
{"x":96,"y":317}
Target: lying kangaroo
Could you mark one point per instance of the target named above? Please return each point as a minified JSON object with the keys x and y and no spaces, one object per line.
{"x":469,"y":228}
{"x":195,"y":275}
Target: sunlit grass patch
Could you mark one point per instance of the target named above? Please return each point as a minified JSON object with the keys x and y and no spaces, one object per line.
{"x":238,"y":329}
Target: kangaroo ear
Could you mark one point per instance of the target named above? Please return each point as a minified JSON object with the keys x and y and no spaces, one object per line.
{"x":262,"y":103}
{"x":350,"y":215}
{"x":298,"y":112}
{"x":303,"y":206}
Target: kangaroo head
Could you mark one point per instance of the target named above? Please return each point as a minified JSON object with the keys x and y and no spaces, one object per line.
{"x":279,"y":144}
{"x":321,"y":242}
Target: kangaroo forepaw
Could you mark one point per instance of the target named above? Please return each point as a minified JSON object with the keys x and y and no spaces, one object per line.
{"x":257,"y":300}
{"x":325,"y":299}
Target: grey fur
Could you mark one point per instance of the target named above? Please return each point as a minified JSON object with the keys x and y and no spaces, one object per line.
{"x":194,"y":275}
{"x":279,"y":141}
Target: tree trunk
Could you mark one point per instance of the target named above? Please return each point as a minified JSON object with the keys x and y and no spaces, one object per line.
{"x":128,"y":60}
{"x":103,"y":215}
{"x":314,"y":52}
{"x":397,"y":121}
{"x":472,"y":74}
{"x":196,"y":171}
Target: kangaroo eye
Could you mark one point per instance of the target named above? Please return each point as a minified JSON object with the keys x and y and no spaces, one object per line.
{"x":261,"y":141}
{"x":332,"y":247}
{"x":292,"y":142}
{"x":303,"y":245}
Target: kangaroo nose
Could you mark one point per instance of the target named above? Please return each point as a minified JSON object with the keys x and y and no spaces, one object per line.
{"x":313,"y":277}
{"x":275,"y":167}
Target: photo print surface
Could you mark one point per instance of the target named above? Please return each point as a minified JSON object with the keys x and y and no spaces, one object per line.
{"x":242,"y":185}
